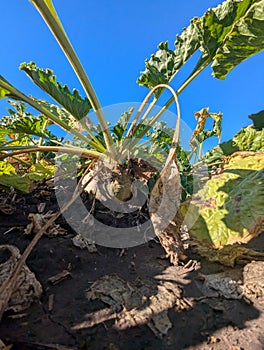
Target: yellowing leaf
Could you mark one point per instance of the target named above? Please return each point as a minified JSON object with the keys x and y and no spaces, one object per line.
{"x":9,"y":178}
{"x":41,"y":170}
{"x":230,"y":207}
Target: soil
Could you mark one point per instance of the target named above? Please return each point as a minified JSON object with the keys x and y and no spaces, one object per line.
{"x":63,"y":318}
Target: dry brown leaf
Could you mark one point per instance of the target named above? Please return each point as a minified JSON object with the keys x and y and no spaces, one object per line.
{"x":27,"y":288}
{"x":253,"y":278}
{"x":164,"y":205}
{"x":39,"y":220}
{"x":143,"y":301}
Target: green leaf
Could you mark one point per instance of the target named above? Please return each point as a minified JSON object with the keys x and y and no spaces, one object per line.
{"x":258,"y":120}
{"x":9,"y":178}
{"x":209,"y":34}
{"x":166,"y":63}
{"x":22,"y":122}
{"x":4,"y":93}
{"x":60,"y":113}
{"x":245,"y":40}
{"x":71,"y":101}
{"x":247,"y":139}
{"x":121,"y":125}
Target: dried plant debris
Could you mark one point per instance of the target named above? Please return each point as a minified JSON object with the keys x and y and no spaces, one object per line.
{"x":7,"y":202}
{"x":59,"y":277}
{"x":85,"y":238}
{"x":163,"y":207}
{"x":39,"y":220}
{"x":229,"y":255}
{"x":236,"y":283}
{"x":253,"y":280}
{"x":143,"y":301}
{"x":222,"y":285}
{"x":27,"y":288}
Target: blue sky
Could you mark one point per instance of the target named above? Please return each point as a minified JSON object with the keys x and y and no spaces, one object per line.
{"x":112,"y":39}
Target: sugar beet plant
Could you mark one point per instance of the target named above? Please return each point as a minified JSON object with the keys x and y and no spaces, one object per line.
{"x":224,"y":36}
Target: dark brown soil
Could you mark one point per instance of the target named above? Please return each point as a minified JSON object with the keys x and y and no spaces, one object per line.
{"x":76,"y":323}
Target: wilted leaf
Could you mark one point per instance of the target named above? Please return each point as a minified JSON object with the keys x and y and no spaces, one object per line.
{"x":253,"y":278}
{"x":229,"y":208}
{"x":229,"y":255}
{"x":200,"y":134}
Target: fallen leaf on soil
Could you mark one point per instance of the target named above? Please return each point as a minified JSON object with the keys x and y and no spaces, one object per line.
{"x":143,"y":301}
{"x":82,"y":241}
{"x":38,"y":221}
{"x":229,"y":285}
{"x":27,"y":288}
{"x":253,"y":278}
{"x":221,"y":284}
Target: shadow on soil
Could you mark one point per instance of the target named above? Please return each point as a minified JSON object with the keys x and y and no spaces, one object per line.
{"x":64,"y":315}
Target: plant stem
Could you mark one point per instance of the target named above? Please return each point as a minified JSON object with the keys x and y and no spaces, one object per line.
{"x":40,"y":141}
{"x":71,"y":150}
{"x":170,"y":101}
{"x":51,"y":18}
{"x":128,"y":143}
{"x":15,"y":93}
{"x":200,"y":151}
{"x":22,"y":161}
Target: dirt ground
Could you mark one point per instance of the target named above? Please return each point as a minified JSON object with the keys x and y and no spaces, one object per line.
{"x":64,"y":318}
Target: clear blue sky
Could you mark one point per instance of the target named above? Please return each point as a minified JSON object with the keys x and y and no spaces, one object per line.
{"x":113,"y":38}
